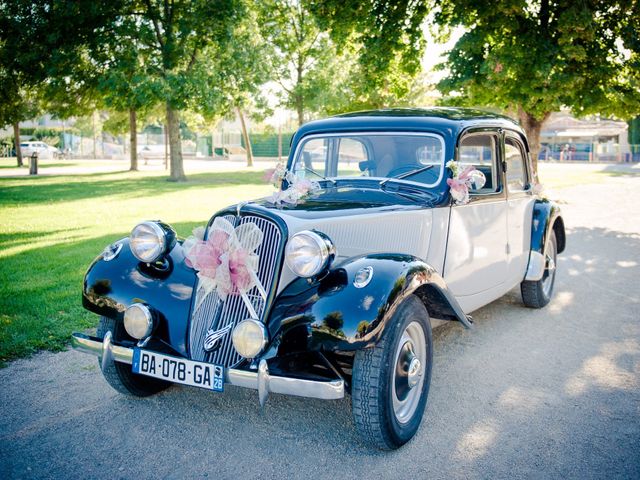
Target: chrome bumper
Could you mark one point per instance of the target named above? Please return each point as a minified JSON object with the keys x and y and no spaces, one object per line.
{"x":260,"y":380}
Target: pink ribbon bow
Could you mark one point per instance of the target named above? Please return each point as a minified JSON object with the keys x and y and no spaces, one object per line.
{"x":460,"y":184}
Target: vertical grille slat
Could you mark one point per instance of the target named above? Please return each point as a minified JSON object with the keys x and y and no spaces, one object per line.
{"x":215,"y":314}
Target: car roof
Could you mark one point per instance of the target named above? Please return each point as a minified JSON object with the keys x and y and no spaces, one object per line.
{"x":449,"y":120}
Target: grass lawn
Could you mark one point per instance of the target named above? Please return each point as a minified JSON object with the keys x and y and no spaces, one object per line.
{"x":52,"y":227}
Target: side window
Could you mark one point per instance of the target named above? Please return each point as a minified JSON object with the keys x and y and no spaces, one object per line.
{"x":479,"y":150}
{"x":314,"y":156}
{"x":516,"y":168}
{"x":351,"y":153}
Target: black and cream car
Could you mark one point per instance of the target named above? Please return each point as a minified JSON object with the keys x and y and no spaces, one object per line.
{"x":382,"y":221}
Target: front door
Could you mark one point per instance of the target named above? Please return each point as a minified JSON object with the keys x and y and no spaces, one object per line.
{"x":476,"y":261}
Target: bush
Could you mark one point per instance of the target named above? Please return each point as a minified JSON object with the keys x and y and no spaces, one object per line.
{"x":266,"y":144}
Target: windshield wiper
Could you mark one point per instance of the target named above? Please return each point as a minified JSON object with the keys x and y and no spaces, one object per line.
{"x":408,"y":174}
{"x":307,"y":169}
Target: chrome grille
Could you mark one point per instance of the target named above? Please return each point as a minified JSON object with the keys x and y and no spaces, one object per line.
{"x":212,"y":313}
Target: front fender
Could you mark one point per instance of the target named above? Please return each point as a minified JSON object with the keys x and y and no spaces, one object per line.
{"x":331,"y":314}
{"x":111,"y":286}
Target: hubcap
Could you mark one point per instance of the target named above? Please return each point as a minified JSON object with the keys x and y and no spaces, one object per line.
{"x":408,"y":374}
{"x":415,"y":372}
{"x":549,"y":268}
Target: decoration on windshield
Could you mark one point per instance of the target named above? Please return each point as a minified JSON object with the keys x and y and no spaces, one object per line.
{"x":226,"y":261}
{"x":297,"y":190}
{"x":463,"y":180}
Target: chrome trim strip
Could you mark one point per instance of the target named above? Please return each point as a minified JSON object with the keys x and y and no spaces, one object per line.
{"x":260,"y":380}
{"x":535,"y":269}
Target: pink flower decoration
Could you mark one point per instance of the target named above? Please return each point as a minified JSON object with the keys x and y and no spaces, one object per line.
{"x":460,"y":184}
{"x":239,"y":269}
{"x":204,"y":256}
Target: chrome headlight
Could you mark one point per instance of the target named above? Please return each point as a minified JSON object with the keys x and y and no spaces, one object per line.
{"x":150,"y":241}
{"x":309,"y":252}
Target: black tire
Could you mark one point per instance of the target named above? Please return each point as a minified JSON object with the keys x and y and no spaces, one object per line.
{"x":120,"y":376}
{"x":536,"y":294}
{"x":374,"y":374}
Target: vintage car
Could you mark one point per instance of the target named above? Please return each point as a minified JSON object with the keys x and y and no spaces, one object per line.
{"x":382,"y":221}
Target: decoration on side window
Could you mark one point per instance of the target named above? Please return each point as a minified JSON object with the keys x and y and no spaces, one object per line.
{"x":226,"y":261}
{"x":463,"y":180}
{"x":298,"y":187}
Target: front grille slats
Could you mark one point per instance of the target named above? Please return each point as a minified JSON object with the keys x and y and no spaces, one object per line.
{"x":215,"y":314}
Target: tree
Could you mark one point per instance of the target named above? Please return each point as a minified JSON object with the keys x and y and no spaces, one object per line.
{"x":386,"y":38}
{"x":17,"y":104}
{"x":42,"y":46}
{"x":245,"y":71}
{"x":124,"y":82}
{"x":299,"y":53}
{"x":175,"y":33}
{"x":534,"y":58}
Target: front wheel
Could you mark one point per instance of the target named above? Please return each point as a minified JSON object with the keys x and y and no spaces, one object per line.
{"x":120,"y":376}
{"x":391,"y":380}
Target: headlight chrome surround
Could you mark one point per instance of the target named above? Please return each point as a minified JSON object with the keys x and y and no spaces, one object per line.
{"x":138,"y":321}
{"x":309,"y":252}
{"x":249,"y":338}
{"x":151,"y":240}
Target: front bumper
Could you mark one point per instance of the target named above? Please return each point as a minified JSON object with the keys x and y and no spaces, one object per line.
{"x":260,"y":380}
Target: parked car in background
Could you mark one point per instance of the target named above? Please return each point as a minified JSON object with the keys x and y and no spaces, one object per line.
{"x":43,"y":150}
{"x":381,"y":221}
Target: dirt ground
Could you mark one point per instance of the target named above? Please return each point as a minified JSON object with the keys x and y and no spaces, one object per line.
{"x":552,"y":393}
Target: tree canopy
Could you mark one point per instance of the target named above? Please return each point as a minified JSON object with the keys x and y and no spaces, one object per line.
{"x":533,"y":58}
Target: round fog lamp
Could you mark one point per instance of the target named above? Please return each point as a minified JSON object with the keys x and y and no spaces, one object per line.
{"x":138,"y":321}
{"x":249,"y":338}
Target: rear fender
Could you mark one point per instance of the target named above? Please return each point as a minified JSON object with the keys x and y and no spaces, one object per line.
{"x":546,"y":218}
{"x":332,"y":314}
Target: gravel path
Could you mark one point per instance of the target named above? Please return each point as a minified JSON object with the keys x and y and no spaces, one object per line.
{"x":552,"y":393}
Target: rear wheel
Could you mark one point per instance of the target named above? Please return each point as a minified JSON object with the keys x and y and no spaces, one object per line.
{"x":120,"y":376}
{"x":391,"y":380}
{"x":536,"y":294}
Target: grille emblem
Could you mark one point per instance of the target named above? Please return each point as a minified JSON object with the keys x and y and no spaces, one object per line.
{"x":213,"y":340}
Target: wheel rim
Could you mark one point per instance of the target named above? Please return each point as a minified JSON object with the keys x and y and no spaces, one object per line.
{"x":549,"y":268}
{"x":408,"y":372}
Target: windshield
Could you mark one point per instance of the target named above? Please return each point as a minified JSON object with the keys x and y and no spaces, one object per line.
{"x":398,"y":155}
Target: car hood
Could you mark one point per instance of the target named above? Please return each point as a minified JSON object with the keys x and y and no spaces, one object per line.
{"x":349,"y":201}
{"x":385,"y":223}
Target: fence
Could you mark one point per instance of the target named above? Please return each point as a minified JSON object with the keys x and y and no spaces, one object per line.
{"x":589,"y":152}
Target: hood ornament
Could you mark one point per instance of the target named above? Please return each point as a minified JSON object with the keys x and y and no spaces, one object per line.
{"x":213,"y":340}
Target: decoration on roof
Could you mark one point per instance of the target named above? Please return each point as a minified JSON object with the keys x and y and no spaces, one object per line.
{"x":463,"y":180}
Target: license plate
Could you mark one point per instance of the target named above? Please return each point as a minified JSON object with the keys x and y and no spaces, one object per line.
{"x":178,"y":370}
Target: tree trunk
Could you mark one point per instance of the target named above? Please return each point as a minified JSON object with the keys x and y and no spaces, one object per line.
{"x":245,"y":137}
{"x":300,"y":109}
{"x":133,"y":140}
{"x":175,"y":146}
{"x":532,"y":127}
{"x":93,"y":130}
{"x":16,"y":140}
